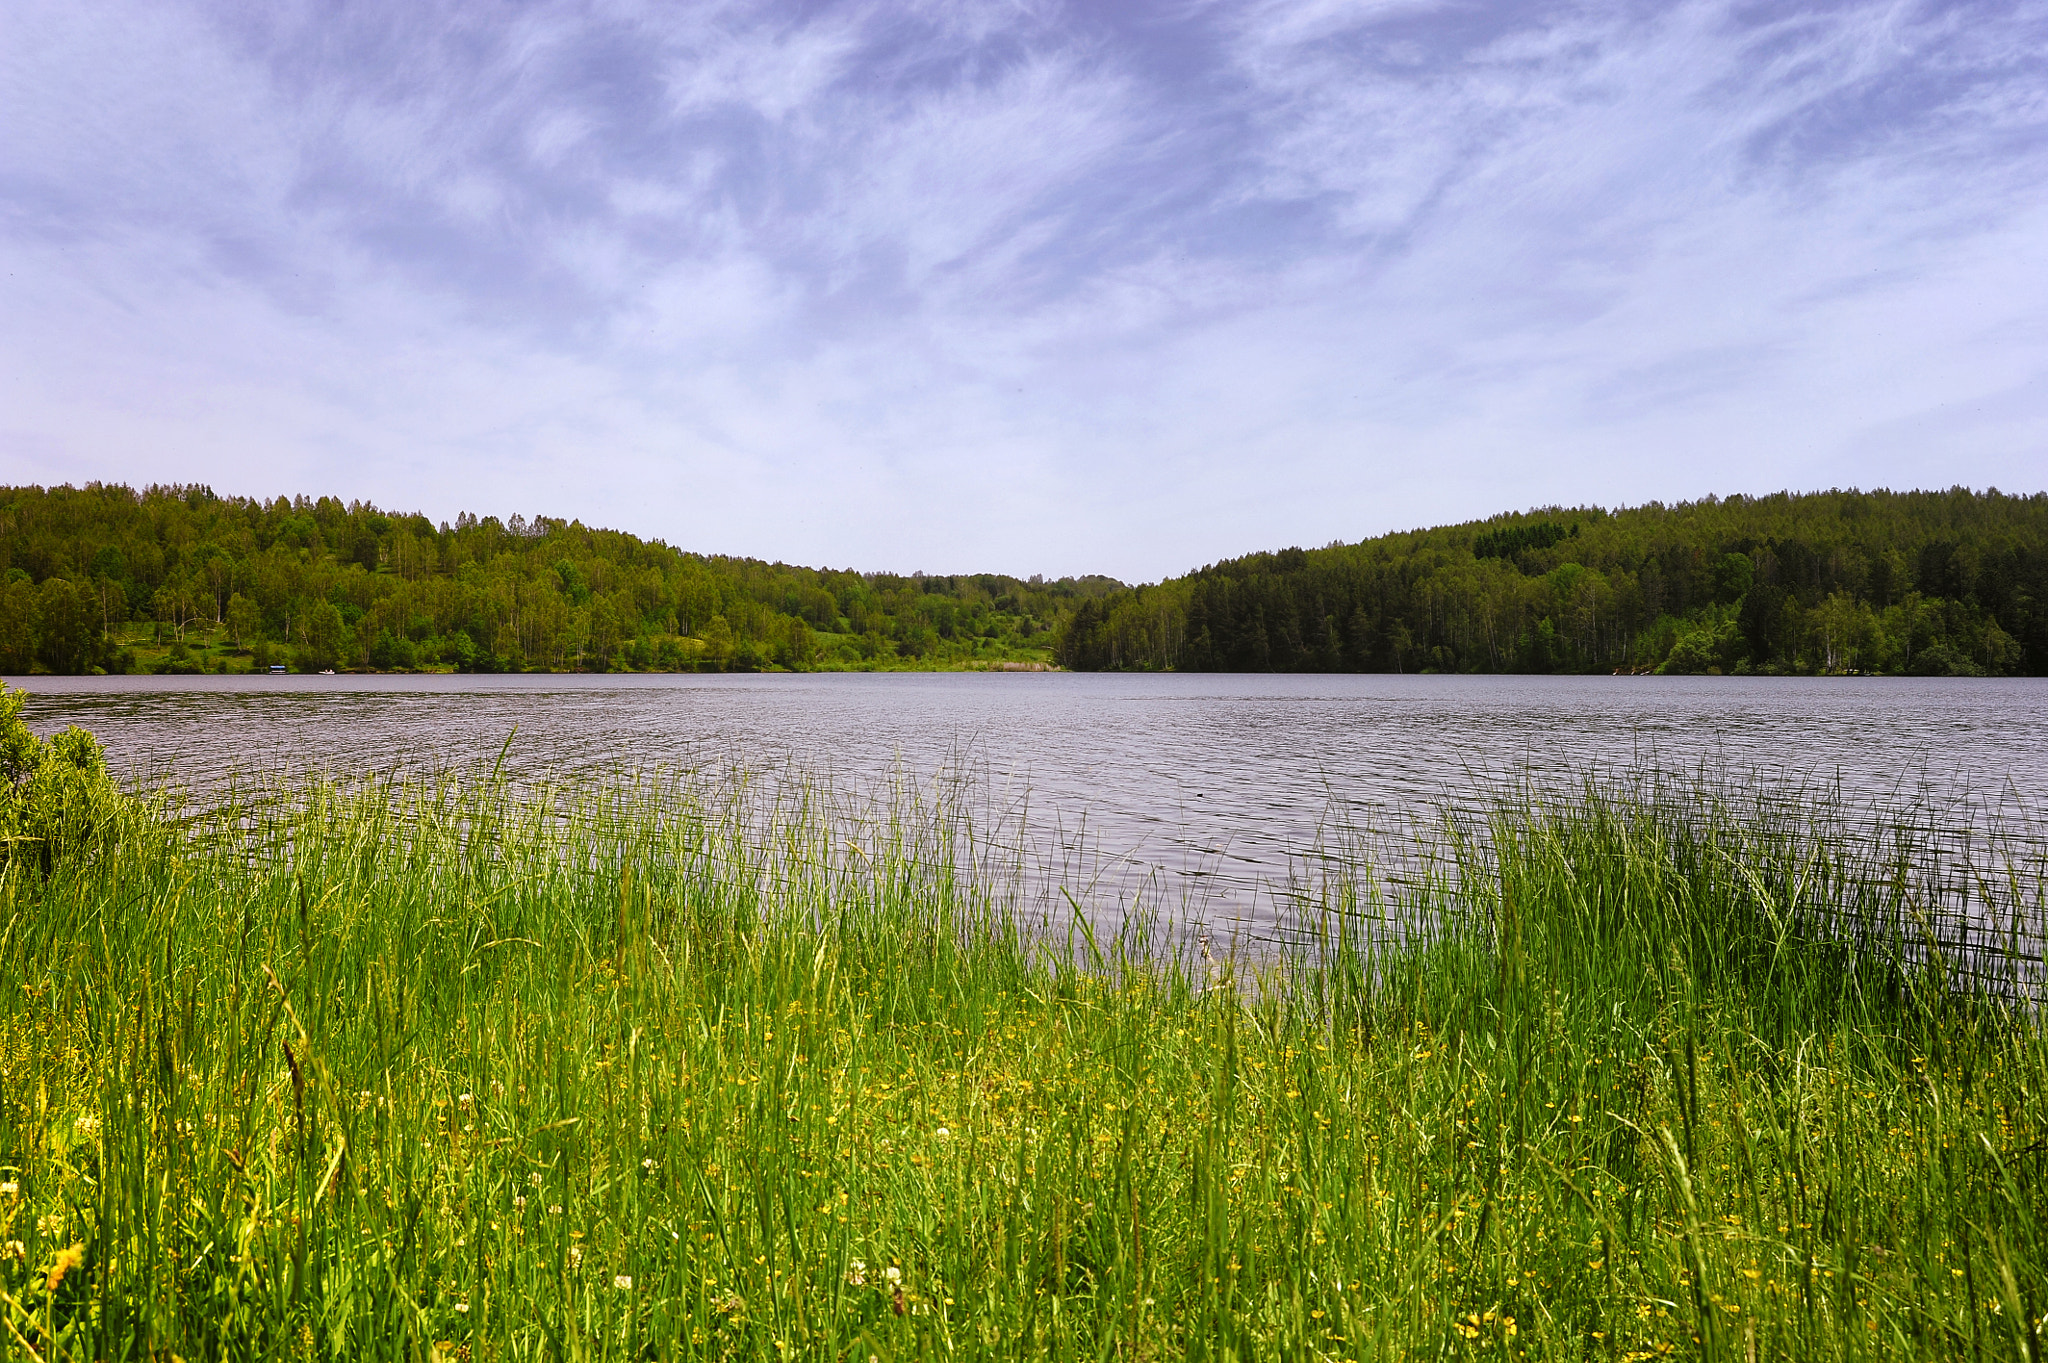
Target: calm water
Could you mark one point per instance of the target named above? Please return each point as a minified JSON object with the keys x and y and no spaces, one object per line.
{"x":1209,"y":780}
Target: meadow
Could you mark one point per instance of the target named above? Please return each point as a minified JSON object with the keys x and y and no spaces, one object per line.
{"x":674,"y":1066}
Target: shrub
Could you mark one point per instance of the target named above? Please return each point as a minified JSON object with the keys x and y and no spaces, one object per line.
{"x":57,"y":800}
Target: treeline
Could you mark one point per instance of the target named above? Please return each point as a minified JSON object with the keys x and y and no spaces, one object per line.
{"x":1930,"y":583}
{"x":319,"y":584}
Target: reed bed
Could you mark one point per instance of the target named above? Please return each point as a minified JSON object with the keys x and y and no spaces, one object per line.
{"x":433,"y":1068}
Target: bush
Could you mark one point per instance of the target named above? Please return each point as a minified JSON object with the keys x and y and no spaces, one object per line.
{"x":57,"y":801}
{"x":1703,"y":648}
{"x":393,"y":651}
{"x":461,"y":650}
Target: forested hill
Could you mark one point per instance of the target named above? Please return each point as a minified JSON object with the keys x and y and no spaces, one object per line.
{"x":179,"y":579}
{"x":1916,"y":582}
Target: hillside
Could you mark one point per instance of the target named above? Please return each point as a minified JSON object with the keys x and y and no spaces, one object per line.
{"x":1913,"y":582}
{"x":179,"y":579}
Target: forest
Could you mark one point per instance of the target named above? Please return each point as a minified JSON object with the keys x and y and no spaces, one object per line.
{"x":179,"y":579}
{"x":1924,"y":583}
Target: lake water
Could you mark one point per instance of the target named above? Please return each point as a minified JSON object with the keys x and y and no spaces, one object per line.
{"x":1214,"y":782}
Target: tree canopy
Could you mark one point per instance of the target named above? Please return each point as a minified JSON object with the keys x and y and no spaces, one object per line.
{"x":1949,"y":582}
{"x":1921,"y":582}
{"x":322,"y":584}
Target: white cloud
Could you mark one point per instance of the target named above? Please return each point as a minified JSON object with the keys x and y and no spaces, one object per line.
{"x":1001,"y":286}
{"x":776,"y":74}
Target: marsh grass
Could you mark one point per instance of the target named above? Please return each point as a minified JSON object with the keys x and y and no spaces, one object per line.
{"x":678,"y":1067}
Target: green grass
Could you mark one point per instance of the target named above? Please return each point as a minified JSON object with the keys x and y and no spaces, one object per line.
{"x":685,"y":1068}
{"x":210,"y":649}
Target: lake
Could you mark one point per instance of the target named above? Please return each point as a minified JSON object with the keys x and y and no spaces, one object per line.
{"x":1210,"y":783}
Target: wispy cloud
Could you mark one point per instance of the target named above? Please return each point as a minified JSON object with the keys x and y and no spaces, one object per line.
{"x":1023,"y":286}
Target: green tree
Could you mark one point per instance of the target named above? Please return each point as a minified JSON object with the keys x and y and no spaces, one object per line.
{"x":171,"y":608}
{"x":18,"y":618}
{"x":604,"y":632}
{"x":1733,"y":577}
{"x":1705,"y":647}
{"x":68,"y":639}
{"x":797,"y":647}
{"x":1844,"y":631}
{"x":325,"y":636}
{"x":244,"y":619}
{"x":718,"y":641}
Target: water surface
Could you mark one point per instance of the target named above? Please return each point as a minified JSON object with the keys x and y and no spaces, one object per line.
{"x":1211,"y":781}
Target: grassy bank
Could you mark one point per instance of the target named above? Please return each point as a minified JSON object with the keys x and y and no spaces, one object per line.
{"x":669,"y":1070}
{"x":206,"y":648}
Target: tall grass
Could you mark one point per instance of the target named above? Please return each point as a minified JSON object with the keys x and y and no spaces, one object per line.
{"x":670,"y":1068}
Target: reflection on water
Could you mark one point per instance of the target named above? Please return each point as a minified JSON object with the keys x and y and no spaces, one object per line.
{"x":1211,"y":786}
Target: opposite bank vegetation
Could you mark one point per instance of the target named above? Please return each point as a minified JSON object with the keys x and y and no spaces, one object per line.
{"x":176,"y":579}
{"x":656,"y":1068}
{"x":1927,"y":583}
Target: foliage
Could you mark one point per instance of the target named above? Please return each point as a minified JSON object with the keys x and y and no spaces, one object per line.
{"x":1510,"y":540}
{"x":649,"y":1070}
{"x":57,"y":800}
{"x":328,"y":585}
{"x":1932,"y":583}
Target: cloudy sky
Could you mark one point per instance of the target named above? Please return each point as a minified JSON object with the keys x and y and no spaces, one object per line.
{"x":1028,"y":287}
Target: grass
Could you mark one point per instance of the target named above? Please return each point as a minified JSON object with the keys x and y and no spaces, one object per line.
{"x":671,"y":1068}
{"x":209,"y":649}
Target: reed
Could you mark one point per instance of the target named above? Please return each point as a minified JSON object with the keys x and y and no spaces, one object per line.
{"x":690,"y":1067}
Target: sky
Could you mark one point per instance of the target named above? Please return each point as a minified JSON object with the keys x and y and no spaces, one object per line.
{"x":1022,"y":287}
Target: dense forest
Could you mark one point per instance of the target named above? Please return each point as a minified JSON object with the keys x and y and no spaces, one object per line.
{"x":178,"y":579}
{"x":1935,"y":583}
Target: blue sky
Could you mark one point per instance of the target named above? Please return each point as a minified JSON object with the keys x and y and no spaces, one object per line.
{"x":1022,"y":287}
